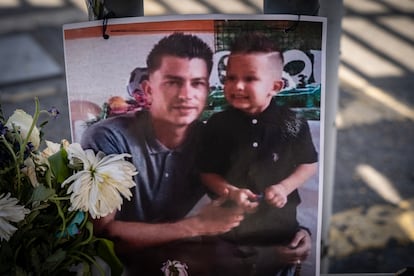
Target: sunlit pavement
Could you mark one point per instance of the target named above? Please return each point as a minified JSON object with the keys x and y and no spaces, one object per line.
{"x":360,"y":228}
{"x":372,"y":225}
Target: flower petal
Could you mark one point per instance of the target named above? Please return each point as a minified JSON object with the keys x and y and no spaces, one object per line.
{"x":99,"y":187}
{"x":10,"y":211}
{"x":24,"y":121}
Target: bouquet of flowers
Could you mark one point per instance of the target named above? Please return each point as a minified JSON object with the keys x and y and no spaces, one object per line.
{"x":48,"y":196}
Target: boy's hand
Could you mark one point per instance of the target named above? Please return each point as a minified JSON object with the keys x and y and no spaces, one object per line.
{"x":276,"y":195}
{"x":244,"y":198}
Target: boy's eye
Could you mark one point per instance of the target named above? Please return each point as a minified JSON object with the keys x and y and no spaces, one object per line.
{"x":250,"y":78}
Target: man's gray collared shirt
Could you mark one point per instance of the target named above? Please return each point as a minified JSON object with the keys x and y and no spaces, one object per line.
{"x":167,"y":182}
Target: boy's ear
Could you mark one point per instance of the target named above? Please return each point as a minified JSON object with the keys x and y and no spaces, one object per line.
{"x":277,"y":86}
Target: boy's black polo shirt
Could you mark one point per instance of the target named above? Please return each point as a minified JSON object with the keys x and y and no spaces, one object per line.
{"x":255,"y":152}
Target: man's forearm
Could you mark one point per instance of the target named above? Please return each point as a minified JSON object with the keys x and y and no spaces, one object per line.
{"x":133,"y":236}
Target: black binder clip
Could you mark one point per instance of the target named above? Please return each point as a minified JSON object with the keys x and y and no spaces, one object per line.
{"x":105,"y":23}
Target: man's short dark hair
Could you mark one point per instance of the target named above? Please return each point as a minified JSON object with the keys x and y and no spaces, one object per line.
{"x":179,"y":45}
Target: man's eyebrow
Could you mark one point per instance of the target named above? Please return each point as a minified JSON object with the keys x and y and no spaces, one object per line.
{"x":200,"y":78}
{"x":173,"y":77}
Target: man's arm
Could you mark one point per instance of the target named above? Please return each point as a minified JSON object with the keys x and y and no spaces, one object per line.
{"x":132,"y":236}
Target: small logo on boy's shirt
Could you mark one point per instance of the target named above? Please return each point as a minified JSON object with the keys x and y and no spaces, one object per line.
{"x":275,"y":157}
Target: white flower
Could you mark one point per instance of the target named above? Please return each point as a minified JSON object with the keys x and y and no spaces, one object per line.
{"x":175,"y":268}
{"x":52,"y":148}
{"x":98,"y":187}
{"x":40,"y":161}
{"x":24,"y":121}
{"x":30,"y":171}
{"x":10,"y":211}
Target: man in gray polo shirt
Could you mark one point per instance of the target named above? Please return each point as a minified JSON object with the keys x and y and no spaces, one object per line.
{"x":153,"y":227}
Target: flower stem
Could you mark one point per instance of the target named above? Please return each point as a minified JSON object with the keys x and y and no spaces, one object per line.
{"x":16,"y":163}
{"x":61,"y":215}
{"x":24,"y":144}
{"x":35,"y":119}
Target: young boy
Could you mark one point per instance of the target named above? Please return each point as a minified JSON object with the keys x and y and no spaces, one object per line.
{"x":257,"y":153}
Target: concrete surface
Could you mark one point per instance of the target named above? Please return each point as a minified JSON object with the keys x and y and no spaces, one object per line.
{"x":372,"y":225}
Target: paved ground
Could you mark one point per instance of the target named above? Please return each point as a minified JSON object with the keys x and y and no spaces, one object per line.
{"x":372,"y":227}
{"x":373,"y":224}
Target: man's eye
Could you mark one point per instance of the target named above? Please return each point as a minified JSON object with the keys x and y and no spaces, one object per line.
{"x":172,"y":83}
{"x":199,"y":83}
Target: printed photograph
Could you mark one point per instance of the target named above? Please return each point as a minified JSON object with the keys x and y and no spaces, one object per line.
{"x":223,"y":118}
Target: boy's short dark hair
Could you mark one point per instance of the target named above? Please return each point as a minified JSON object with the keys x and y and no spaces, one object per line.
{"x":179,"y":45}
{"x":254,"y":42}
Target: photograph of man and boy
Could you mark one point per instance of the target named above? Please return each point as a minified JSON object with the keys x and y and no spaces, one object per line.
{"x":223,"y":121}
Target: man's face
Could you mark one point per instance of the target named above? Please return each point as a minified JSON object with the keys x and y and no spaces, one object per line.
{"x":178,"y":90}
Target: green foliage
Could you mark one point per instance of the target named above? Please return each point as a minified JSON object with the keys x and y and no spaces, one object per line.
{"x":52,"y":239}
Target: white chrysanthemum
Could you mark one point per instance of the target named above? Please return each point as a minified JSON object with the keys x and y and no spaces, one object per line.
{"x":24,"y":121}
{"x":98,"y":187}
{"x":10,"y":211}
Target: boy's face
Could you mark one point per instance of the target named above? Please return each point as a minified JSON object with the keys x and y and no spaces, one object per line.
{"x":178,"y":90}
{"x":251,"y":81}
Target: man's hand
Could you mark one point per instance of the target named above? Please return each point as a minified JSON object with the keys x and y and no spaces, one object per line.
{"x":214,"y":219}
{"x":298,"y":249}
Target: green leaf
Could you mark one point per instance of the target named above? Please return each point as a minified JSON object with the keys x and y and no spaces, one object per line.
{"x":41,"y":125}
{"x":32,"y":216}
{"x":35,"y":259}
{"x":86,"y":269}
{"x":106,"y":252}
{"x":41,"y":193}
{"x":89,"y":227}
{"x":48,"y":178}
{"x":59,"y":165}
{"x":54,"y":260}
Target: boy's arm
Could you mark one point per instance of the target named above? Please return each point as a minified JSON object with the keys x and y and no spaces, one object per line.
{"x":298,"y":178}
{"x":217,"y":184}
{"x":277,"y":194}
{"x":245,"y":198}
